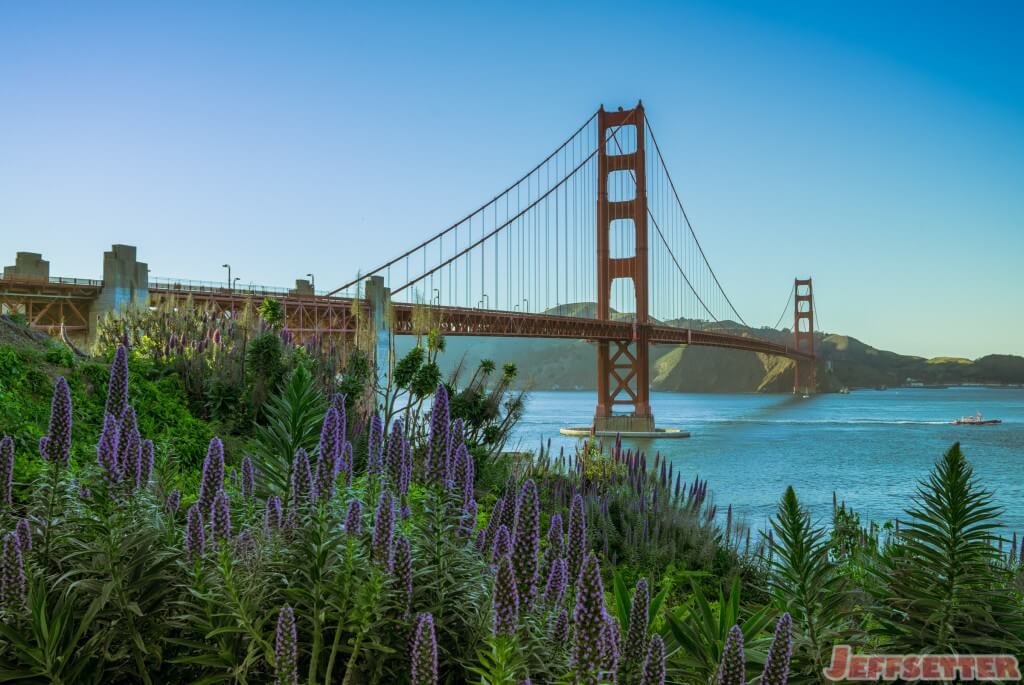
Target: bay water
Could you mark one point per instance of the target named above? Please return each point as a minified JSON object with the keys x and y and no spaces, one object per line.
{"x":870,"y":447}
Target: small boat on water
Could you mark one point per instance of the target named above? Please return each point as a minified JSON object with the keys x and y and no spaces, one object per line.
{"x":844,"y":390}
{"x":975,"y":420}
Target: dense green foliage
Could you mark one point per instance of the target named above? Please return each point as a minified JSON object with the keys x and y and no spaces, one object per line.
{"x":27,"y":373}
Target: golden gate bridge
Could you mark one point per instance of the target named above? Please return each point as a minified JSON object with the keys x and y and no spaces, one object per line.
{"x":592,"y":243}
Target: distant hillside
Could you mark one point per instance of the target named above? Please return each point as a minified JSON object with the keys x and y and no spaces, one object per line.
{"x":844,"y":361}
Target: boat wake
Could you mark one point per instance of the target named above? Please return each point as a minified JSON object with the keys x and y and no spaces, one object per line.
{"x":824,"y":422}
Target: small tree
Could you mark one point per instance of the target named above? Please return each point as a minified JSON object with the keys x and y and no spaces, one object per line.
{"x":806,"y":583}
{"x":272,"y":312}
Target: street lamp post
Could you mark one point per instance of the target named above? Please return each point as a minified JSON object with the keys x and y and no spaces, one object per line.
{"x":312,"y":283}
{"x":235,"y":281}
{"x":228,"y":267}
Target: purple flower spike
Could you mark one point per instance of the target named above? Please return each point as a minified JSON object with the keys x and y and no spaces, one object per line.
{"x":146,"y":465}
{"x":423,"y":666}
{"x":560,"y":628}
{"x":173,"y":503}
{"x":495,"y":520}
{"x":43,"y":452}
{"x":589,"y":619}
{"x":58,"y":438}
{"x":511,"y":500}
{"x":731,"y":669}
{"x":338,"y":403}
{"x":502,"y":545}
{"x":286,"y":649}
{"x":329,"y":460}
{"x":220,"y":516}
{"x":577,"y":537}
{"x":272,"y":514}
{"x":776,"y":665}
{"x":654,"y":663}
{"x":405,"y":472}
{"x":526,"y":546}
{"x":556,"y":543}
{"x":354,"y":518}
{"x":467,"y":519}
{"x":505,"y":600}
{"x":24,"y":532}
{"x":301,"y":480}
{"x":636,"y":633}
{"x":346,"y":464}
{"x":558,"y":580}
{"x":106,"y":452}
{"x":402,"y":572}
{"x":383,"y":529}
{"x":117,"y":389}
{"x":611,"y":644}
{"x":463,"y":472}
{"x":195,"y":537}
{"x":129,"y":449}
{"x":12,"y":575}
{"x":248,"y":478}
{"x":437,"y":450}
{"x":6,"y":470}
{"x":213,"y":474}
{"x":375,"y":447}
{"x":395,"y":452}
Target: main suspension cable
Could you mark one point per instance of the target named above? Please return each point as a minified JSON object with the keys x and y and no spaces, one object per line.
{"x":468,"y":216}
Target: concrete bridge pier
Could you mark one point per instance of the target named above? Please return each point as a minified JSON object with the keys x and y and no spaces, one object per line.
{"x":125,"y":285}
{"x":379,"y":298}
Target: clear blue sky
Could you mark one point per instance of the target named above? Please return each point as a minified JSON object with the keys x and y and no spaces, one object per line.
{"x":876,"y":146}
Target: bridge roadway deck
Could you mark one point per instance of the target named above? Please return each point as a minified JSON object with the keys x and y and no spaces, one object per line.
{"x":304,"y":313}
{"x":479,"y":322}
{"x":336,"y":316}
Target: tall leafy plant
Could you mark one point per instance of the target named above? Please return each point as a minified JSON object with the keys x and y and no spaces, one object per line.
{"x":293,"y":419}
{"x":943,"y":586}
{"x":806,"y":583}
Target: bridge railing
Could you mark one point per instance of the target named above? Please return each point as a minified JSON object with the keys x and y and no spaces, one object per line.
{"x":53,"y":280}
{"x":221,"y":287}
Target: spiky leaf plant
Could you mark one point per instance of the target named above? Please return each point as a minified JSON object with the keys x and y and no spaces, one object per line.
{"x":701,"y":630}
{"x":293,"y":419}
{"x":943,"y":588}
{"x":806,"y":583}
{"x":54,"y":644}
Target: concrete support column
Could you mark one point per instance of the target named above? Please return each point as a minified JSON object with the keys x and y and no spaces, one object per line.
{"x":125,"y":285}
{"x":379,"y":298}
{"x":28,"y":266}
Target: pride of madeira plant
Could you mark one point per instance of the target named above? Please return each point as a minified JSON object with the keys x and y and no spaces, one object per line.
{"x":348,"y":547}
{"x":339,"y":567}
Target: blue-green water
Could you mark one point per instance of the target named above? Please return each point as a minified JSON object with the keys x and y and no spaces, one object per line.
{"x":870,"y":447}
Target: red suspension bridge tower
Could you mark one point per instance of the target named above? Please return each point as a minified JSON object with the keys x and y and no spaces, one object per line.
{"x":804,"y":372}
{"x":623,"y":366}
